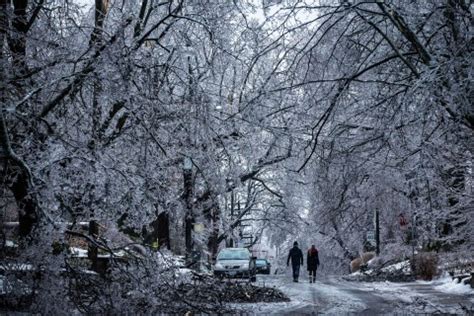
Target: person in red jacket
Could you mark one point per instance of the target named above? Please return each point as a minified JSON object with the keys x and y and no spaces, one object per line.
{"x":312,"y":263}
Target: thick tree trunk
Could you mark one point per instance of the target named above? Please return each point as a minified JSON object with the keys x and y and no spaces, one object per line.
{"x":97,"y":39}
{"x":17,"y":37}
{"x":189,"y":217}
{"x":160,"y":231}
{"x":101,"y":7}
{"x":212,"y":217}
{"x":16,"y":172}
{"x":18,"y":180}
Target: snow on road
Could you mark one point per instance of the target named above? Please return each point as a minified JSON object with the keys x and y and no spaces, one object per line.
{"x":306,"y":298}
{"x":333,"y":296}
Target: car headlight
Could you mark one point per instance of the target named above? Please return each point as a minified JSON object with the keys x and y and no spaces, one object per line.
{"x":244,"y":266}
{"x":218,"y":266}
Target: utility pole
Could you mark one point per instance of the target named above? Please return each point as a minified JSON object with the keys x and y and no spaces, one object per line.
{"x":377,"y":232}
{"x":413,"y":232}
{"x":189,"y":218}
{"x":231,"y":244}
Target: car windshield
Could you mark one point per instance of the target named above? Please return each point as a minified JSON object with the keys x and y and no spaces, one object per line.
{"x":233,"y":255}
{"x":261,"y":262}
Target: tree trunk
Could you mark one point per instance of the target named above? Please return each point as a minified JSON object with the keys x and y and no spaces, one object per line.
{"x":189,"y":218}
{"x":212,"y":217}
{"x":17,"y":173}
{"x":17,"y":36}
{"x":97,"y":39}
{"x":18,"y":180}
{"x":101,"y":7}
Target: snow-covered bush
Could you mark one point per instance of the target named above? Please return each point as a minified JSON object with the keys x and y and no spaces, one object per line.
{"x":425,"y":265}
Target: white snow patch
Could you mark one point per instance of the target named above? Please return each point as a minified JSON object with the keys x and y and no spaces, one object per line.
{"x":403,"y":265}
{"x":11,"y":266}
{"x":184,"y":271}
{"x":11,"y":244}
{"x":78,"y":252}
{"x":372,"y":263}
{"x":452,"y":287}
{"x":390,"y":291}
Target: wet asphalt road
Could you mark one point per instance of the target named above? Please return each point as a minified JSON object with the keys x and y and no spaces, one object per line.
{"x":334,"y":296}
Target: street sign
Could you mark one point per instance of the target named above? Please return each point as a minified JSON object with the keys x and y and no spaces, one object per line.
{"x":187,"y":164}
{"x":371,"y":237}
{"x":198,"y":227}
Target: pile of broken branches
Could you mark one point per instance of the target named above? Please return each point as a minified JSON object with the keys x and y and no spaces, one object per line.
{"x":205,"y":288}
{"x":231,"y":292}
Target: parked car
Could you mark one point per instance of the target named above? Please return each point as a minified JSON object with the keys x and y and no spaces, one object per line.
{"x":235,"y":263}
{"x":263,"y":266}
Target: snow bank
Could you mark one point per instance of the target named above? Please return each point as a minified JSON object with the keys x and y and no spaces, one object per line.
{"x":396,"y":272}
{"x":452,"y":287}
{"x":402,"y":266}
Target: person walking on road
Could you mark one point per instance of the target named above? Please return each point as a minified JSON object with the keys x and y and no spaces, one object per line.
{"x":296,"y":257}
{"x":312,"y":263}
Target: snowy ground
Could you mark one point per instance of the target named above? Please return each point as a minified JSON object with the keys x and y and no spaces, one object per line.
{"x":333,"y":296}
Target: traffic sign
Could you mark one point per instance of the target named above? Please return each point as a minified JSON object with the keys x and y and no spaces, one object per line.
{"x":371,"y":237}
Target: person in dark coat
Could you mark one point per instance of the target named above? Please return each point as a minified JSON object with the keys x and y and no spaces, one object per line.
{"x":296,"y":257}
{"x":312,"y":263}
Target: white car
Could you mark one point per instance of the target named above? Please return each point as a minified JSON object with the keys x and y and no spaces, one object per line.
{"x":235,"y":263}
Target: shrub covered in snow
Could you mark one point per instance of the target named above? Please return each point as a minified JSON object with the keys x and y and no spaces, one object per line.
{"x":425,"y":265}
